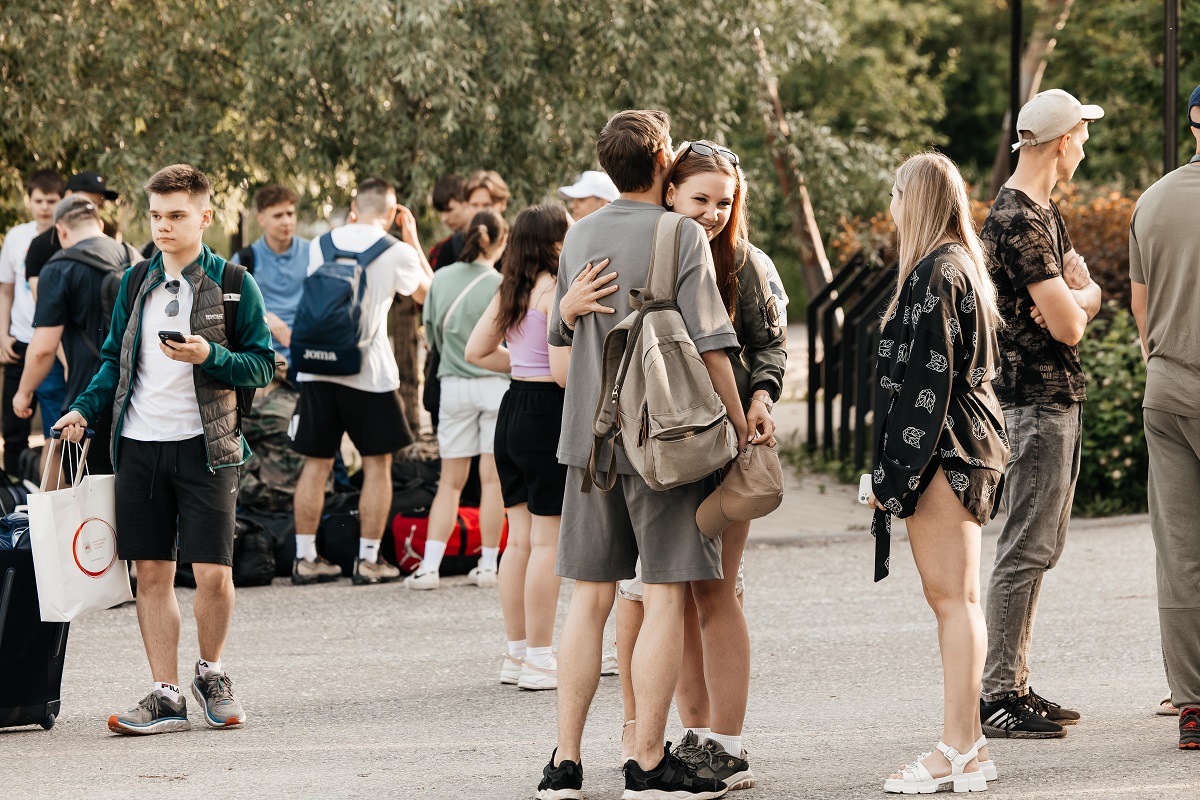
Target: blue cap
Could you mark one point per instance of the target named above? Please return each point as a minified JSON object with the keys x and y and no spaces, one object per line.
{"x":1193,"y":101}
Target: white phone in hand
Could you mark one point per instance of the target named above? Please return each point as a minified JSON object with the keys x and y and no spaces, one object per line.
{"x":864,"y":489}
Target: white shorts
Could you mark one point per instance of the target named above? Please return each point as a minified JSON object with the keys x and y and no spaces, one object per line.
{"x":632,"y":588}
{"x":467,"y":415}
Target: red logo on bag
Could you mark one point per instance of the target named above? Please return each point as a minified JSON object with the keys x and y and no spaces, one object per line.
{"x":95,"y":547}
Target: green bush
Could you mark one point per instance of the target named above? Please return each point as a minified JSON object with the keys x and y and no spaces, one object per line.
{"x":1112,"y":475}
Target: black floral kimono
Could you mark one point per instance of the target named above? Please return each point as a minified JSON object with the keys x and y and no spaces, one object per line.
{"x":935,"y":407}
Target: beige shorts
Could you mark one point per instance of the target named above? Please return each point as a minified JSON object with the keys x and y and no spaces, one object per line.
{"x":632,"y":588}
{"x":467,"y":415}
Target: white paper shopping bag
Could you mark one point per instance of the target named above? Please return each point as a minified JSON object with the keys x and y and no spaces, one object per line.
{"x":73,"y":535}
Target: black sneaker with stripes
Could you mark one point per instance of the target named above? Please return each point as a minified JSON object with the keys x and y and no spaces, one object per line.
{"x":1012,"y":718}
{"x":1050,"y":710}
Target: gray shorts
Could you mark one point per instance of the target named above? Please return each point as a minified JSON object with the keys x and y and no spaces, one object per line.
{"x":632,"y":589}
{"x":602,"y":535}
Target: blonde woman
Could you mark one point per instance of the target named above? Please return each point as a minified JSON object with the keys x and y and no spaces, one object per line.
{"x":941,"y":453}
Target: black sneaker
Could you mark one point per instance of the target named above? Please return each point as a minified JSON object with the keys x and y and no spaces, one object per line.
{"x":1189,"y":729}
{"x":688,"y":746}
{"x":564,"y":782}
{"x":1011,"y":718}
{"x":713,"y":761}
{"x":670,"y":778}
{"x":1050,"y":710}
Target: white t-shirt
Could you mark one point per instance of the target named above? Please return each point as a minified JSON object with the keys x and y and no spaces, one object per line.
{"x":12,"y":270}
{"x":397,"y":271}
{"x":163,"y":406}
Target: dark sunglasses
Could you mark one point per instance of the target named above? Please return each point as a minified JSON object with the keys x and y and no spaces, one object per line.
{"x":173,"y":306}
{"x":705,"y":149}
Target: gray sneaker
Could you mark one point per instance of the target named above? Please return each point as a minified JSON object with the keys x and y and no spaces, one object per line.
{"x":215,"y":695}
{"x":154,"y":714}
{"x":366,"y":572}
{"x":711,"y":761}
{"x":305,"y":572}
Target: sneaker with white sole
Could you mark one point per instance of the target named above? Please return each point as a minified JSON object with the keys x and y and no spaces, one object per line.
{"x":510,"y":670}
{"x":537,"y":679}
{"x":423,"y":581}
{"x":482,"y":577}
{"x":215,"y":695}
{"x":305,"y":572}
{"x":712,"y":761}
{"x":609,"y":664}
{"x":154,"y":714}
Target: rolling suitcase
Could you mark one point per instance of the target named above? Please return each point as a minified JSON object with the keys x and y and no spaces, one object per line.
{"x":32,"y":652}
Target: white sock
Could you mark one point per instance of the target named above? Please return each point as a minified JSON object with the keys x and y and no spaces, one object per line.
{"x":701,"y":733}
{"x":432,"y":561}
{"x":306,"y":546}
{"x":517,"y":649}
{"x":488,"y":558}
{"x":732,"y":744}
{"x":540,"y":657}
{"x":168,"y":690}
{"x":208,"y":667}
{"x":368,"y":549}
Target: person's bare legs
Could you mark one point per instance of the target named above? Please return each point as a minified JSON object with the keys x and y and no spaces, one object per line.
{"x":491,"y":502}
{"x":945,"y":542}
{"x":309,"y":499}
{"x":541,"y":584}
{"x":158,"y":618}
{"x":691,"y":692}
{"x":443,"y":512}
{"x":513,"y":570}
{"x":213,"y":606}
{"x":725,"y":662}
{"x":656,"y":659}
{"x":375,"y":502}
{"x":629,"y":624}
{"x":579,"y":653}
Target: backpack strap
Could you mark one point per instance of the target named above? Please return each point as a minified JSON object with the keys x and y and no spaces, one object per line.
{"x":232,"y":277}
{"x":245,"y":257}
{"x":663,"y":276}
{"x":330,"y":252}
{"x":140,"y":271}
{"x":458,"y":300}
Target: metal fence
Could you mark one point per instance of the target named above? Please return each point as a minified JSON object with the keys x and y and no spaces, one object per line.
{"x":843,"y":319}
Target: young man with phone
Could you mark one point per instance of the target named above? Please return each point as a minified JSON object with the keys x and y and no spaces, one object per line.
{"x":169,"y":374}
{"x":1047,"y":297}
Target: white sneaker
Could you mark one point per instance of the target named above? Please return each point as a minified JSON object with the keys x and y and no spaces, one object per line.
{"x":536,"y":679}
{"x":483,"y":578}
{"x":422,"y":581}
{"x":510,"y":670}
{"x":608,"y":664}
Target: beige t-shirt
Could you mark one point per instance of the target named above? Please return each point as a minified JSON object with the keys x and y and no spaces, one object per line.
{"x":1164,"y":254}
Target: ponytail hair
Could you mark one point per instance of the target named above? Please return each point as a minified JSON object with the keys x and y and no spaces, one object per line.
{"x":487,"y":228}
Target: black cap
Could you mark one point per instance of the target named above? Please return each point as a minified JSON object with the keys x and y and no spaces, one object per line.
{"x":92,"y":183}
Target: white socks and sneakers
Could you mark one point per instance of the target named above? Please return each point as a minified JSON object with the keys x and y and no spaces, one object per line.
{"x":306,"y":546}
{"x":485,"y":574}
{"x":427,"y":577}
{"x":539,"y":671}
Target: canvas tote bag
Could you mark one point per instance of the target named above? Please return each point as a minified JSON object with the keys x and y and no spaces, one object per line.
{"x":73,"y":534}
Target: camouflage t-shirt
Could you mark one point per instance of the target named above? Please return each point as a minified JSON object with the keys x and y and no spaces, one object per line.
{"x":1025,"y":243}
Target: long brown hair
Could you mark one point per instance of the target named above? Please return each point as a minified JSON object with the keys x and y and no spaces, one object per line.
{"x":486,"y":229}
{"x":532,"y":250}
{"x":724,"y":247}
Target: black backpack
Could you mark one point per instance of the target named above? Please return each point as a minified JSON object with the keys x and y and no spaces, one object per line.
{"x":231,"y":289}
{"x":245,"y":257}
{"x":109,"y":288}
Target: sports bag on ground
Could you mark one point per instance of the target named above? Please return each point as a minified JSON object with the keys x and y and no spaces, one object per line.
{"x":462,"y":549}
{"x":327,"y":337}
{"x":657,"y":401}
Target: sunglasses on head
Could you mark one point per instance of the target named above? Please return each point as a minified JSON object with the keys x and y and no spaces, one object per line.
{"x":705,"y":149}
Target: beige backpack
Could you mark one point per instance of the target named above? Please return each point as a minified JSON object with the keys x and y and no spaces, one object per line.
{"x":657,"y":400}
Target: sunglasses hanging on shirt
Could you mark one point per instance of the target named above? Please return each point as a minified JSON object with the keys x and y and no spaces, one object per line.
{"x":173,"y":306}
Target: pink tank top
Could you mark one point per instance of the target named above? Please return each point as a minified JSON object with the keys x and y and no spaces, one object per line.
{"x":528,"y":352}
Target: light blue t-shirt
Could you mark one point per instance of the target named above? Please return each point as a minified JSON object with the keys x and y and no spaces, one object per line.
{"x":281,"y":276}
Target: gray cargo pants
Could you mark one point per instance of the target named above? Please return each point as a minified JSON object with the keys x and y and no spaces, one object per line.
{"x":1174,"y":445}
{"x":1039,"y":487}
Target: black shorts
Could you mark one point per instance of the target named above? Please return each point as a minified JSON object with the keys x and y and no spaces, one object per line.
{"x":166,"y":487}
{"x":326,"y":410}
{"x":527,"y":430}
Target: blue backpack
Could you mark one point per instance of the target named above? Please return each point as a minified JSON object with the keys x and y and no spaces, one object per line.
{"x":327,"y":330}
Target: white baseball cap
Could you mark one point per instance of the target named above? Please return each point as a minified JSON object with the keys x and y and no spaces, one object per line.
{"x":1049,"y":115}
{"x":592,"y":183}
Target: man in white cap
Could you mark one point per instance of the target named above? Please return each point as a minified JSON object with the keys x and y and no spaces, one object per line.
{"x":592,"y":192}
{"x":1165,"y":296}
{"x":1047,"y":296}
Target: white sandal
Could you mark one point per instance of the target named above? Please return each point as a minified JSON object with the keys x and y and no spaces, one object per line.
{"x":916,"y":779}
{"x":988,"y":768}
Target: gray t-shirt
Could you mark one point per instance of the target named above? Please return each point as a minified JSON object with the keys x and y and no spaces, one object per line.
{"x":623,"y":231}
{"x":1164,"y":254}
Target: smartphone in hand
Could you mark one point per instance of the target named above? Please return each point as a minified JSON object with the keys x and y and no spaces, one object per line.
{"x":171,"y":336}
{"x":864,"y":489}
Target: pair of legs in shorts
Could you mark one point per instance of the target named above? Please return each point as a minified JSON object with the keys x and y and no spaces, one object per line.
{"x":466,"y":428}
{"x":377,"y":427}
{"x":532,"y":482}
